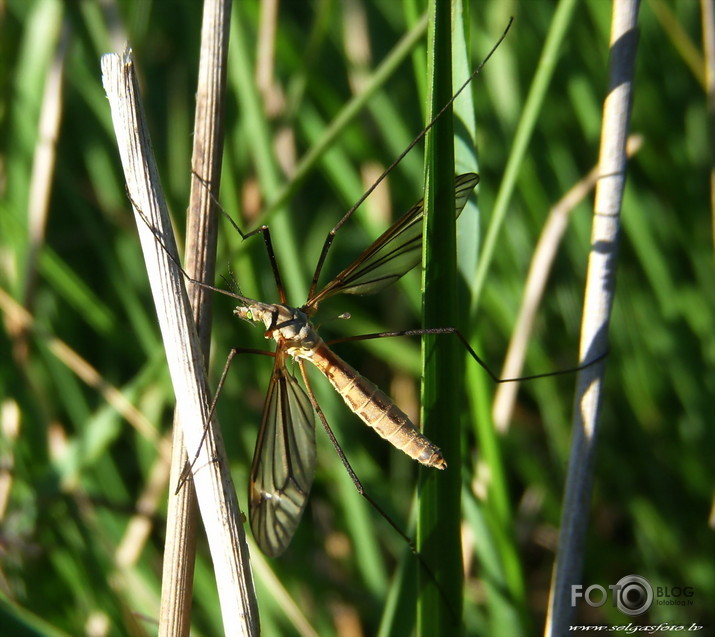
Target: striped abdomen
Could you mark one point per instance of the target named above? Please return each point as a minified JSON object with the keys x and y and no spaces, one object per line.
{"x":375,"y":408}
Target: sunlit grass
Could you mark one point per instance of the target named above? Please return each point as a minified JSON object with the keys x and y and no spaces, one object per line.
{"x":77,"y":464}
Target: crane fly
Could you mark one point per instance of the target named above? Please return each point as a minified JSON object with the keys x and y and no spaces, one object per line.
{"x":283,"y":465}
{"x":284,"y":459}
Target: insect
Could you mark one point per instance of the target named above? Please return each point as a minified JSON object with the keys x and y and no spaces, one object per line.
{"x":284,"y":459}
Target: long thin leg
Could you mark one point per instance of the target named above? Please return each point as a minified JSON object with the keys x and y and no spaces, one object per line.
{"x":331,"y":235}
{"x":186,"y":473}
{"x":472,"y":353}
{"x":177,"y":263}
{"x":359,"y":487}
{"x":346,"y":463}
{"x":265,"y":232}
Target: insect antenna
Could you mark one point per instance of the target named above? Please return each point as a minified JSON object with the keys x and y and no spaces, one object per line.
{"x":232,"y":283}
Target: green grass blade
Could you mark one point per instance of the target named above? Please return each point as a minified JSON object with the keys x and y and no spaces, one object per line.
{"x":539,"y":89}
{"x":438,"y":530}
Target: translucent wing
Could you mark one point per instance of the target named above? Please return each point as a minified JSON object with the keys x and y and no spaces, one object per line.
{"x":395,"y":252}
{"x":283,"y":463}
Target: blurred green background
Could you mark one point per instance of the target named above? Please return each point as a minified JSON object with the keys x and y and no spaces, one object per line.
{"x":86,"y":397}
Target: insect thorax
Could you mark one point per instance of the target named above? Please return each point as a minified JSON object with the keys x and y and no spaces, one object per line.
{"x":288,"y":326}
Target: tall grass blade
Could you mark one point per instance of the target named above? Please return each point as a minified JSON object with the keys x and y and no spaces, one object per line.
{"x":438,"y":530}
{"x":598,"y":304}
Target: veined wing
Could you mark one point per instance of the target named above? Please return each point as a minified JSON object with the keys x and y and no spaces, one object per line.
{"x":283,"y":462}
{"x":395,"y":252}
